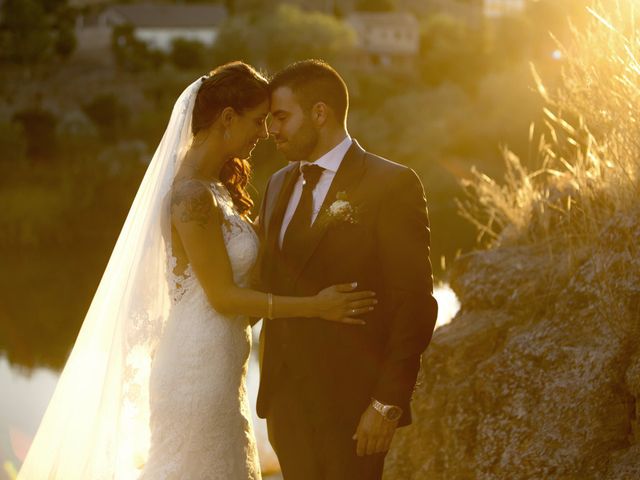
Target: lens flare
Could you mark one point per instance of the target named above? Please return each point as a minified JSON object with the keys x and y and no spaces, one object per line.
{"x":20,"y":443}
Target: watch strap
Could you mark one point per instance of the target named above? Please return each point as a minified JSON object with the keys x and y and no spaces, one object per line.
{"x":381,"y":408}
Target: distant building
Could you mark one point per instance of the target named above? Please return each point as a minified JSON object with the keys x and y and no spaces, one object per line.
{"x":474,"y":12}
{"x":387,"y":39}
{"x":502,"y":8}
{"x":155,"y":24}
{"x":159,"y":24}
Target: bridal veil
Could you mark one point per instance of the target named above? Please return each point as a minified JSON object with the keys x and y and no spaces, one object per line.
{"x":96,"y":425}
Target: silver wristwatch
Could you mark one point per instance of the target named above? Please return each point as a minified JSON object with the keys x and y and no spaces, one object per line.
{"x":389,"y":412}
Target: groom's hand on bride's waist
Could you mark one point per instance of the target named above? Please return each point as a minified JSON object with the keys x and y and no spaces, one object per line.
{"x":374,"y":432}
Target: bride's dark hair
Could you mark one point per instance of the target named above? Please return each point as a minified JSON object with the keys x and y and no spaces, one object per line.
{"x":241,"y":87}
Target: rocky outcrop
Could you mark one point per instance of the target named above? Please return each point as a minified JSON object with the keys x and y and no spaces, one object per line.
{"x":538,"y":376}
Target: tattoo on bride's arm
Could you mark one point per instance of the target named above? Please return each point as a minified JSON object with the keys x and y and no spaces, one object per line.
{"x":194,"y":201}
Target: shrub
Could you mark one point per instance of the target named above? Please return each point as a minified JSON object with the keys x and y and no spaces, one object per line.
{"x":109,"y":115}
{"x":187,"y":54}
{"x":131,"y":54}
{"x":13,"y":143}
{"x":24,"y":31}
{"x":39,"y":127}
{"x":283,"y":35}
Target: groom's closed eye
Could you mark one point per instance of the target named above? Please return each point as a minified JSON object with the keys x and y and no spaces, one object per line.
{"x":279,"y":115}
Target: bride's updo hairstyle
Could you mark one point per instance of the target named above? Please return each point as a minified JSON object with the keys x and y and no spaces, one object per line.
{"x":241,"y":87}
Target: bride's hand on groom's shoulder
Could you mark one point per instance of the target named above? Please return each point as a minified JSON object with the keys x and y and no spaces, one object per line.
{"x":341,"y":303}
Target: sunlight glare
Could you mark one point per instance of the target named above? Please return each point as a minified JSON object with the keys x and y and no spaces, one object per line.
{"x":448,"y":304}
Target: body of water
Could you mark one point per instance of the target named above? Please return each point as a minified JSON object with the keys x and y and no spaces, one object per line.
{"x":25,"y":393}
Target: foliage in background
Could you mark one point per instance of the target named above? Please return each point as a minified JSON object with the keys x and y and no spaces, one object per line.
{"x":131,"y":54}
{"x":39,"y":127}
{"x":63,"y":211}
{"x":444,"y":38}
{"x":25,"y":36}
{"x":109,"y":114}
{"x":188,"y":54}
{"x":32,"y":31}
{"x":376,"y":5}
{"x":280,"y":36}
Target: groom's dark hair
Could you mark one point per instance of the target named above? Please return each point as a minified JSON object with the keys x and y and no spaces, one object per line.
{"x":314,"y":81}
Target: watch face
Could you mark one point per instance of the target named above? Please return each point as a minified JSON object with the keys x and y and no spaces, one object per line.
{"x":394,"y":413}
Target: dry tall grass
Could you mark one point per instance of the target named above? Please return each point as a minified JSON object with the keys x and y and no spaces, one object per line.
{"x":588,"y":158}
{"x":589,"y":151}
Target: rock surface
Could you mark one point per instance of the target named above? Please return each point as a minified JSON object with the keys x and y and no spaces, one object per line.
{"x":538,"y":376}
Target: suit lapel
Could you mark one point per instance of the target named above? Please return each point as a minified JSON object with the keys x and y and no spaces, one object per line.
{"x":347,"y":177}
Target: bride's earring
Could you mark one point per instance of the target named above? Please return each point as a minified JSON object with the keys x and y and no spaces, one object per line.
{"x":226,"y":135}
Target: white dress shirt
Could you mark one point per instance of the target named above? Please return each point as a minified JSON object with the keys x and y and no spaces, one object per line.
{"x":330,"y":161}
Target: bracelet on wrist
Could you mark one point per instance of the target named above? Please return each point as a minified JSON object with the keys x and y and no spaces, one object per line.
{"x":269,"y":305}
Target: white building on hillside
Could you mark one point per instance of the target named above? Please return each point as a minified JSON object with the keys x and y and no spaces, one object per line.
{"x":474,"y":12}
{"x":159,"y":24}
{"x":502,"y":8}
{"x":386,"y":38}
{"x":155,"y":24}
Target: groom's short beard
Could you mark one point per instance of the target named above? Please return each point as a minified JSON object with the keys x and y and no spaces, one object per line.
{"x":303,"y":142}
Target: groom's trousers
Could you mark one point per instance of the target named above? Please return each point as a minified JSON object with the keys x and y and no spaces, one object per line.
{"x":312,"y":445}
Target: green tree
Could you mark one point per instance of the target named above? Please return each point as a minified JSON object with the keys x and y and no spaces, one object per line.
{"x":450,"y":51}
{"x":512,"y":39}
{"x":131,"y":54}
{"x":245,"y":6}
{"x":376,"y":5}
{"x":109,"y":115}
{"x":13,"y":143}
{"x":25,"y":32}
{"x":65,"y":41}
{"x":282,"y":36}
{"x":187,"y":54}
{"x":234,"y":41}
{"x":34,"y":30}
{"x":39,"y":127}
{"x":52,"y":7}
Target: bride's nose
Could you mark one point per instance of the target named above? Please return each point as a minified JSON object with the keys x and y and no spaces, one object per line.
{"x":272,"y":127}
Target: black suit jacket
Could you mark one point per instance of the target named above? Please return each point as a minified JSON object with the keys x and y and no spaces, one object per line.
{"x":339,"y":367}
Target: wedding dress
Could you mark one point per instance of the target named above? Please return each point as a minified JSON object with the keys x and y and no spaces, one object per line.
{"x":200,"y":420}
{"x":155,"y":383}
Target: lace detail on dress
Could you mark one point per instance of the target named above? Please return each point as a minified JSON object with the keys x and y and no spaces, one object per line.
{"x":240,"y":239}
{"x":244,"y":247}
{"x":178,"y":283}
{"x":200,"y":420}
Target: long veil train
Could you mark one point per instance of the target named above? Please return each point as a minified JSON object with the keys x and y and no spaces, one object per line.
{"x":96,"y":424}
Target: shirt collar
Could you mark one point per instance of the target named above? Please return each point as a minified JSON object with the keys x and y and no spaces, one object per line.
{"x":333,"y":158}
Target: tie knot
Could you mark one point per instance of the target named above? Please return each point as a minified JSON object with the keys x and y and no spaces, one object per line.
{"x":311,"y":174}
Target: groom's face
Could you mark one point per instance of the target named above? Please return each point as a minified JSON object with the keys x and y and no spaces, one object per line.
{"x":291,"y":126}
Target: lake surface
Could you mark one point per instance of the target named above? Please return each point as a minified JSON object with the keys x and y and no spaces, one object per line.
{"x":25,"y":393}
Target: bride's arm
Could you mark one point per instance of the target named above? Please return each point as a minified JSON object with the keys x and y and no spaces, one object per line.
{"x":197,"y":219}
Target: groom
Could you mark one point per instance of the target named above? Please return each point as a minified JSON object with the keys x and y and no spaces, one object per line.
{"x":333,"y":394}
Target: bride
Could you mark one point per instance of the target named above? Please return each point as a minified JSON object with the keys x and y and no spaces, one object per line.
{"x":154,"y":387}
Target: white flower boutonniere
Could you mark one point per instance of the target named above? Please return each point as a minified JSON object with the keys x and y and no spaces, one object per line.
{"x":342,"y":210}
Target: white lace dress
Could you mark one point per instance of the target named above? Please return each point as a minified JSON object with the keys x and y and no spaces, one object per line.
{"x":200,"y":420}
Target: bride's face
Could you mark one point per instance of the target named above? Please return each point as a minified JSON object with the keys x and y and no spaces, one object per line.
{"x":246,"y":130}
